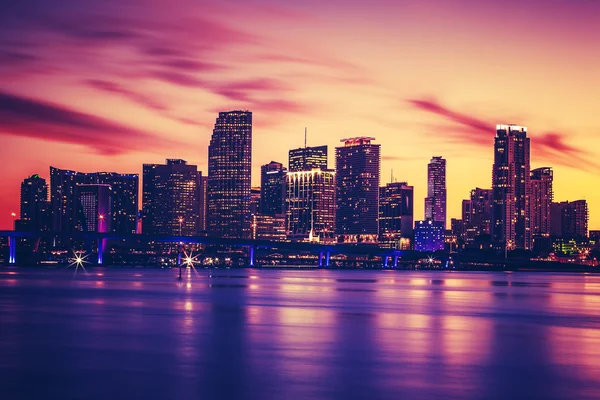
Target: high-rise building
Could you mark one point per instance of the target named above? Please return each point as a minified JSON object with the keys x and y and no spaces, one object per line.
{"x":510,"y":185}
{"x":477,"y":214}
{"x":63,"y":204}
{"x":358,"y":169}
{"x":203,"y":188}
{"x":310,"y":205}
{"x":569,"y":219}
{"x":272,"y":188}
{"x":255,"y":196}
{"x":269,"y":227}
{"x":229,"y":176}
{"x":435,"y":202}
{"x":396,"y":213}
{"x":308,"y":158}
{"x":34,"y":210}
{"x":429,"y":235}
{"x":541,"y":199}
{"x":94,"y":208}
{"x":171,"y":198}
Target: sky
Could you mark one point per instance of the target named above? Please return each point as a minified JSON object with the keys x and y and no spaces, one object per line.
{"x":105,"y":85}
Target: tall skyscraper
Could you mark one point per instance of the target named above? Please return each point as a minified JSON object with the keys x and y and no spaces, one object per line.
{"x":396,"y":213}
{"x":511,"y":186}
{"x":171,"y":198}
{"x":541,"y":197}
{"x":229,"y":176}
{"x":310,"y":205}
{"x":308,"y":158}
{"x":272,"y":187}
{"x":34,"y":210}
{"x":358,"y":169}
{"x":94,"y":208}
{"x":124,"y":198}
{"x":429,"y":235}
{"x":435,"y":202}
{"x":569,"y":219}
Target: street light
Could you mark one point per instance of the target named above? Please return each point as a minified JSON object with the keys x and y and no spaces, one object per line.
{"x":101,"y":220}
{"x":509,"y":244}
{"x":180,"y":219}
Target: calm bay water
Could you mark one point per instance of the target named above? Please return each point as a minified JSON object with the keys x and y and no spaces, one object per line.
{"x":281,"y":334}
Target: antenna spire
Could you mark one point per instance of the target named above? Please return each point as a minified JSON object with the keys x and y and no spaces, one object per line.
{"x":305,"y":137}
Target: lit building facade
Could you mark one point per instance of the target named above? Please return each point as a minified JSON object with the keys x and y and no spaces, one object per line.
{"x":396,"y":214}
{"x":358,"y":170}
{"x":203,"y":188}
{"x":511,"y":186}
{"x":310,"y":205}
{"x":269,"y":227}
{"x":541,"y":197}
{"x":63,"y":202}
{"x":34,"y":205}
{"x":435,"y":202}
{"x":569,"y":219}
{"x":171,"y":200}
{"x":94,"y":208}
{"x":477,"y":214}
{"x":429,"y":236}
{"x":308,"y":158}
{"x":229,"y":176}
{"x":255,"y":196}
{"x":272,"y":188}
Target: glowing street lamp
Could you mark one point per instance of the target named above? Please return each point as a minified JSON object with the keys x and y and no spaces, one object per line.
{"x":100,"y":221}
{"x":509,"y":245}
{"x":180,"y":220}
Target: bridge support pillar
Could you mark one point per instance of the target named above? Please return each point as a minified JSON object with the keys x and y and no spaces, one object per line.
{"x":395,"y":261}
{"x":385,"y":261}
{"x":251,"y":256}
{"x":320,"y":259}
{"x":101,"y":245}
{"x":327,"y":257}
{"x":12,"y":250}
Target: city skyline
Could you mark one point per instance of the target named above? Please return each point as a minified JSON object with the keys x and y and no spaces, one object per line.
{"x":156,"y":99}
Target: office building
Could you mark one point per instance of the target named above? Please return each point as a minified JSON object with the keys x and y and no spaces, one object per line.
{"x":357,"y":169}
{"x":203,"y":188}
{"x":569,"y":219}
{"x":269,"y":227}
{"x":255,"y":196}
{"x":34,"y":205}
{"x":63,"y":203}
{"x":310,"y":205}
{"x":272,"y":189}
{"x":308,"y":158}
{"x":477,"y":214}
{"x":171,"y":198}
{"x":94,"y":208}
{"x":429,"y":236}
{"x":435,"y":202}
{"x":229,"y":176}
{"x":510,"y":185}
{"x":396,"y":213}
{"x":541,"y":197}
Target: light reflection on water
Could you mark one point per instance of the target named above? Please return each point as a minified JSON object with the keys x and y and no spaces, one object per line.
{"x":271,"y":334}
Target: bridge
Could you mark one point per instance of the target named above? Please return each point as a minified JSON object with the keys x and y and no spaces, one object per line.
{"x":324,"y":251}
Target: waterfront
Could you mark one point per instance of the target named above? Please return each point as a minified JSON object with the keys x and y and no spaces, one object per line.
{"x":297,"y":334}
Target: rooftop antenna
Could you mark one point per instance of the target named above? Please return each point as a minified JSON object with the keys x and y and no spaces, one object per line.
{"x":304,"y":137}
{"x":392,"y":176}
{"x":304,"y":152}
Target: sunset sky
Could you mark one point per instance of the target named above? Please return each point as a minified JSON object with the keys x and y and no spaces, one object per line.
{"x":102,"y":85}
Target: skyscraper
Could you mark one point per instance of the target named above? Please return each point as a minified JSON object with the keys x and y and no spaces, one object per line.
{"x":569,"y":219}
{"x":396,"y":213}
{"x":308,"y":158}
{"x":93,"y":208}
{"x":229,"y":176}
{"x":477,"y":214}
{"x":541,"y":197}
{"x":171,"y":198}
{"x":435,"y":202}
{"x":429,"y":235}
{"x":310,"y":205}
{"x":34,"y":210}
{"x":357,"y":177}
{"x":124,"y":198}
{"x":511,"y":185}
{"x":272,"y":187}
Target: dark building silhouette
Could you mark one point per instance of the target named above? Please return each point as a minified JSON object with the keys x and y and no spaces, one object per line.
{"x":272,"y":188}
{"x":171,"y":201}
{"x":308,"y":158}
{"x":477,"y":215}
{"x":310,"y":205}
{"x":396,"y":213}
{"x":94,"y":206}
{"x":357,"y":176}
{"x":64,"y":205}
{"x":511,"y":185}
{"x":435,"y":202}
{"x":229,"y":176}
{"x":541,"y":197}
{"x":569,"y":219}
{"x":34,"y":205}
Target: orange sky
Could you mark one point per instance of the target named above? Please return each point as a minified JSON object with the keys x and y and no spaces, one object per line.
{"x":109,"y":85}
